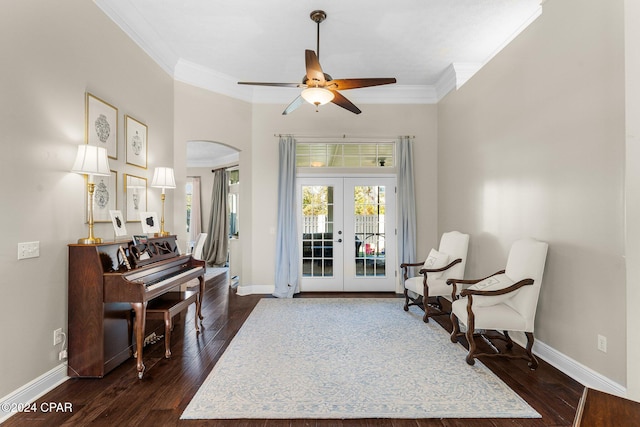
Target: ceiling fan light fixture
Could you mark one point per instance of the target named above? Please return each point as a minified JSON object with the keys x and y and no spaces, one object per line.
{"x":317,"y":95}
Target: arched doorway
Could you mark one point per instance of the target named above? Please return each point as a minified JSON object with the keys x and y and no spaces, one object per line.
{"x":202,"y":158}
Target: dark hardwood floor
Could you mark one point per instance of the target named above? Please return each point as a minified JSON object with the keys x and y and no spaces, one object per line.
{"x":120,"y":399}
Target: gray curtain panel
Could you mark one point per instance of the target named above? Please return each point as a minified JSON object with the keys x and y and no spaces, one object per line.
{"x":287,"y":281}
{"x":406,"y":202}
{"x":217,"y":245}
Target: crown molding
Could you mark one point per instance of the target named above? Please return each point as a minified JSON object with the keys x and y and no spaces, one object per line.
{"x":206,"y":78}
{"x":158,"y":51}
{"x":456,"y":74}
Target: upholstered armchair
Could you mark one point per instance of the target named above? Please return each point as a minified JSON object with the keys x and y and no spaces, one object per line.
{"x":505,"y":301}
{"x":447,"y":262}
{"x":198,"y":247}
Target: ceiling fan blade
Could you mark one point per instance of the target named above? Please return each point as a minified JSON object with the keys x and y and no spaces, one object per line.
{"x":344,"y":84}
{"x":294,"y":104}
{"x":315,"y":76}
{"x":343,"y":102}
{"x":272,"y":84}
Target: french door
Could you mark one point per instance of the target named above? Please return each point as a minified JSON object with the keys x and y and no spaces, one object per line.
{"x":347,"y":234}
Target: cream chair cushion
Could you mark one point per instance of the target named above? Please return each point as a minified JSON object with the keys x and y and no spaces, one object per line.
{"x":496,"y":317}
{"x":437,"y":287}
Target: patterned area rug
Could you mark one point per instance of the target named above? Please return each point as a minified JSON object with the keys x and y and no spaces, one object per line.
{"x":348,"y":358}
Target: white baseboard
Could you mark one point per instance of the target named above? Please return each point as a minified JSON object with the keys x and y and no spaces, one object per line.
{"x":33,"y":390}
{"x":576,"y":370}
{"x":244,"y":290}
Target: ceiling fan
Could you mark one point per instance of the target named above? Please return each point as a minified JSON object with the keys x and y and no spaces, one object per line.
{"x":319,"y":87}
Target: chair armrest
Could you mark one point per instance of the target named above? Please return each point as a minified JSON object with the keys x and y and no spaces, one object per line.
{"x":454,"y":282}
{"x":404,"y":266}
{"x":437,"y":270}
{"x":471,"y":281}
{"x":407,"y":264}
{"x":511,"y":288}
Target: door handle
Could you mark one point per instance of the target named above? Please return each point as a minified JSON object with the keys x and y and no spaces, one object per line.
{"x":339,"y":240}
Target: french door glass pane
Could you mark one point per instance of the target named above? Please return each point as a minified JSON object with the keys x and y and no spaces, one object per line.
{"x":317,"y":234}
{"x":370,"y":259}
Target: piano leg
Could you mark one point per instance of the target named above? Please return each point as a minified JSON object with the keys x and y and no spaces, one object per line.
{"x":140,"y":309}
{"x":199,"y":300}
{"x":168,"y":327}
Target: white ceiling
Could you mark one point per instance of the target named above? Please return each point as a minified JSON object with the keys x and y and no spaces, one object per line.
{"x":429,"y":46}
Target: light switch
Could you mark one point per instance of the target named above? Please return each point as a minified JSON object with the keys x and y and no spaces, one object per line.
{"x":28,"y":250}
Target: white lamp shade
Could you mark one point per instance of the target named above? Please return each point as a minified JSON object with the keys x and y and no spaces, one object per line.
{"x":317,"y":95}
{"x":163,"y":178}
{"x":91,"y":160}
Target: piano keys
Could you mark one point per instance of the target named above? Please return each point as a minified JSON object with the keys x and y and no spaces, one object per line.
{"x":103,"y":293}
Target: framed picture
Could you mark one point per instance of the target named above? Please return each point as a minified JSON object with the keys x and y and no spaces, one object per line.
{"x":104,"y":197}
{"x":135,"y":189}
{"x":139,"y":239}
{"x":136,"y":142}
{"x":118,"y":223}
{"x":101,"y":125}
{"x":150,"y":222}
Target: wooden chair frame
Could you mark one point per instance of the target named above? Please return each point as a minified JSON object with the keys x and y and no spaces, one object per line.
{"x":433,"y":307}
{"x":471,"y":335}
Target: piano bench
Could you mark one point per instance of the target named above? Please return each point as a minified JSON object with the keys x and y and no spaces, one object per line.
{"x":168,"y":305}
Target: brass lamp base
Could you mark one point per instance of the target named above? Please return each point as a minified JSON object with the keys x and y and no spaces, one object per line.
{"x":162,"y":234}
{"x":89,"y":241}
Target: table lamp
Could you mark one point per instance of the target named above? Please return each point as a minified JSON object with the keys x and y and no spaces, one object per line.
{"x":91,"y":161}
{"x":163,"y":178}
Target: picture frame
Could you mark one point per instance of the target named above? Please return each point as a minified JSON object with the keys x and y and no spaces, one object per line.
{"x":136,"y":144}
{"x":101,"y":124}
{"x":118,"y":222}
{"x":139,"y":239}
{"x":135,"y":189}
{"x":150,"y":222}
{"x":105,"y":197}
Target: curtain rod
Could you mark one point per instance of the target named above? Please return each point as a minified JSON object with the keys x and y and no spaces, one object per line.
{"x":343,"y":136}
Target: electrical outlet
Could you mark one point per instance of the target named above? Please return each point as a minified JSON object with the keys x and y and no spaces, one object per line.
{"x":57,"y":336}
{"x":602,"y":343}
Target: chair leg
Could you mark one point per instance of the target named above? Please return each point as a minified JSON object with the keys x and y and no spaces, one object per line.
{"x":455,"y":333}
{"x":406,"y":299}
{"x":508,"y":339}
{"x":471,"y":324}
{"x":425,"y":301}
{"x":533,"y":362}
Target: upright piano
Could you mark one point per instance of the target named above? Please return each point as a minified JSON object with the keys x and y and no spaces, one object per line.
{"x":110,"y":285}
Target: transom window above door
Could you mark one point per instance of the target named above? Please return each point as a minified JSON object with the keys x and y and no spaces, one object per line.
{"x":345,"y":155}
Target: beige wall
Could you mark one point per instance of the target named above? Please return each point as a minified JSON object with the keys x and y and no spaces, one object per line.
{"x":632,"y":193}
{"x":52,"y":52}
{"x":385,"y":120}
{"x":534,"y":145}
{"x":201,"y":115}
